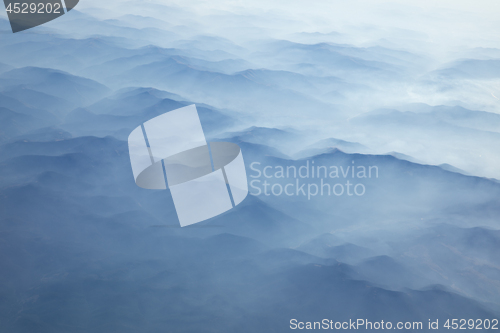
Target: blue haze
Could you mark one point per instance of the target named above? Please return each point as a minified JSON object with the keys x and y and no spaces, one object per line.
{"x":83,"y":249}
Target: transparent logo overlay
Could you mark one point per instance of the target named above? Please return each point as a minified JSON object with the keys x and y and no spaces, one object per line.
{"x":310,"y":180}
{"x":205,"y":179}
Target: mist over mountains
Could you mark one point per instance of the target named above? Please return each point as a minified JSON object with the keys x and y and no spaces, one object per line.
{"x":416,"y":127}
